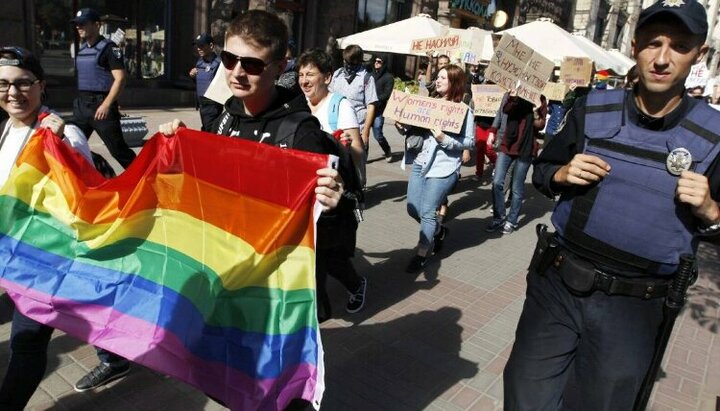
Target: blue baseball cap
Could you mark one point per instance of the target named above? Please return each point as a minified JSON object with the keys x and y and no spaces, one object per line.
{"x":691,"y":13}
{"x":85,"y":15}
{"x":203,"y":39}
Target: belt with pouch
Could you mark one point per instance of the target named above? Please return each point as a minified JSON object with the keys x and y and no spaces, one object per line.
{"x":582,"y":277}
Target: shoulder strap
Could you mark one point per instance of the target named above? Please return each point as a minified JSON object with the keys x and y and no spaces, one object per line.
{"x":285,"y":136}
{"x":334,"y":110}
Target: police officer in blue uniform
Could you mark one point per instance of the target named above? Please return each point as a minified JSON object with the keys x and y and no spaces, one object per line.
{"x":638,"y":173}
{"x":101,"y":78}
{"x":203,"y":73}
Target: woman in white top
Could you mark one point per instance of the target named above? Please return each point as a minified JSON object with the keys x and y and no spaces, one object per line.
{"x":22,"y":86}
{"x":332,"y":110}
{"x":334,"y":113}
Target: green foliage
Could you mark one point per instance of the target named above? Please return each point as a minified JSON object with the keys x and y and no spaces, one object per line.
{"x":408,"y":86}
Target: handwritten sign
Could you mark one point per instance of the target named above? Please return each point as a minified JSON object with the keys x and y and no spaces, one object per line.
{"x":425,"y":112}
{"x":555,"y":91}
{"x":487,"y":99}
{"x":435,"y":44}
{"x":515,"y":66}
{"x":576,"y":70}
{"x":698,"y":77}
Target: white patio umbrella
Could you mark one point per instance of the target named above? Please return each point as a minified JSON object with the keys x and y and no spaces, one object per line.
{"x":554,"y":43}
{"x":395,"y":37}
{"x":628,"y":61}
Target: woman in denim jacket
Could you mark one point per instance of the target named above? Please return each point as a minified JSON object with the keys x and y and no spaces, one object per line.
{"x":436,"y":167}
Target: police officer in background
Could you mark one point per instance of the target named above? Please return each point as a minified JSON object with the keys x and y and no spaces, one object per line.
{"x":203,"y":73}
{"x":101,"y":78}
{"x":638,"y":175}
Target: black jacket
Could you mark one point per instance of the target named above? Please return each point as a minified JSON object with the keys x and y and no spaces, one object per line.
{"x":336,"y":229}
{"x":384,"y":82}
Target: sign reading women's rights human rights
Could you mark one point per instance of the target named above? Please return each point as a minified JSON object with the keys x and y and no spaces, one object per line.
{"x":515,"y":66}
{"x":425,"y":112}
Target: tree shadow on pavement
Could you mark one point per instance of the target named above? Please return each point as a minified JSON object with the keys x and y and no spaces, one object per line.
{"x":704,"y":296}
{"x":401,"y":364}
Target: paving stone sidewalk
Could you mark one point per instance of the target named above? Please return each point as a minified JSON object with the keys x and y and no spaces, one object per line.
{"x":436,"y":341}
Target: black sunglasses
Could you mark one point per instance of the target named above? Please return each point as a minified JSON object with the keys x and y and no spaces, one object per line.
{"x":251,"y":65}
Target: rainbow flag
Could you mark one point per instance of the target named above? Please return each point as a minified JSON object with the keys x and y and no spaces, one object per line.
{"x":198,"y":261}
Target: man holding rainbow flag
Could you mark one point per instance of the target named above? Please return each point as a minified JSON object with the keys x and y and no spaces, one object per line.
{"x":186,"y":263}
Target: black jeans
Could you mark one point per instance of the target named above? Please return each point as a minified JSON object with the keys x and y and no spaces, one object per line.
{"x":28,"y":360}
{"x":109,"y":130}
{"x":579,"y":352}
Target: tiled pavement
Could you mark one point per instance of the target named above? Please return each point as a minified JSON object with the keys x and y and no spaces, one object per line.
{"x":435,"y":341}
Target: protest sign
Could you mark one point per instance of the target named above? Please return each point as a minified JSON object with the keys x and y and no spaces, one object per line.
{"x":487,"y":99}
{"x":425,"y":112}
{"x":555,"y":91}
{"x":435,"y":44}
{"x":576,"y":70}
{"x":515,"y":66}
{"x":698,"y":77}
{"x":218,"y":91}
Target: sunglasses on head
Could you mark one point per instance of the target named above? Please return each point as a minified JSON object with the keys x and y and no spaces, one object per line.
{"x":251,"y":65}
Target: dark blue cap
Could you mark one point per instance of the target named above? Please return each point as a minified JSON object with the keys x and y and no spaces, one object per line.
{"x":203,"y":39}
{"x":85,"y":15}
{"x":691,"y":13}
{"x":21,"y":58}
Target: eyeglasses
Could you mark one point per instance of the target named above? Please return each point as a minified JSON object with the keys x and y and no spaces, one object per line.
{"x":22,"y":84}
{"x":378,"y":61}
{"x":251,"y":65}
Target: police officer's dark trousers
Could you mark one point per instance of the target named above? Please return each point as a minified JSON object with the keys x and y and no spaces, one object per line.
{"x":109,"y":129}
{"x":209,"y":112}
{"x":579,"y":352}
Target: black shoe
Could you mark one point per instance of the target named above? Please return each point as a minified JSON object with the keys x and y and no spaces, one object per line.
{"x":416,"y":264}
{"x":357,"y":299}
{"x":101,"y":375}
{"x":439,"y":238}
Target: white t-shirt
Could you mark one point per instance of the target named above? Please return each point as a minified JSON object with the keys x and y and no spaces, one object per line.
{"x":14,"y":139}
{"x":346,"y":115}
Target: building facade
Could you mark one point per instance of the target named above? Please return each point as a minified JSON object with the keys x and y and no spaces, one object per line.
{"x":157,"y":34}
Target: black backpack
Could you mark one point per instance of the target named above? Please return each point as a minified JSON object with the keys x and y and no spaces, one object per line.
{"x":285,"y":137}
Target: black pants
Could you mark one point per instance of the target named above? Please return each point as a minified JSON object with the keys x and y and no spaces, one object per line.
{"x":209,"y":112}
{"x":337,"y":264}
{"x":579,"y":352}
{"x":109,"y":130}
{"x":28,"y":360}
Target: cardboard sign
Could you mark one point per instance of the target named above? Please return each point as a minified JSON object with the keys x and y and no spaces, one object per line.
{"x":515,"y":66}
{"x":487,"y":99}
{"x":218,"y":91}
{"x":698,"y":77}
{"x":576,"y":70}
{"x":425,"y":112}
{"x":435,"y":44}
{"x":555,"y":91}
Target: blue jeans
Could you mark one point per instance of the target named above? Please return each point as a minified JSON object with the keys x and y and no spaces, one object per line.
{"x":424,"y":196}
{"x":377,"y":131}
{"x":518,"y":186}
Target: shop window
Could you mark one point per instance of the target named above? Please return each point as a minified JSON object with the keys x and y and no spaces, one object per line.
{"x":138,"y":26}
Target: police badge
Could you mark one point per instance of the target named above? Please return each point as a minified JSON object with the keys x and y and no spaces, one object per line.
{"x":678,"y":161}
{"x":673,"y":3}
